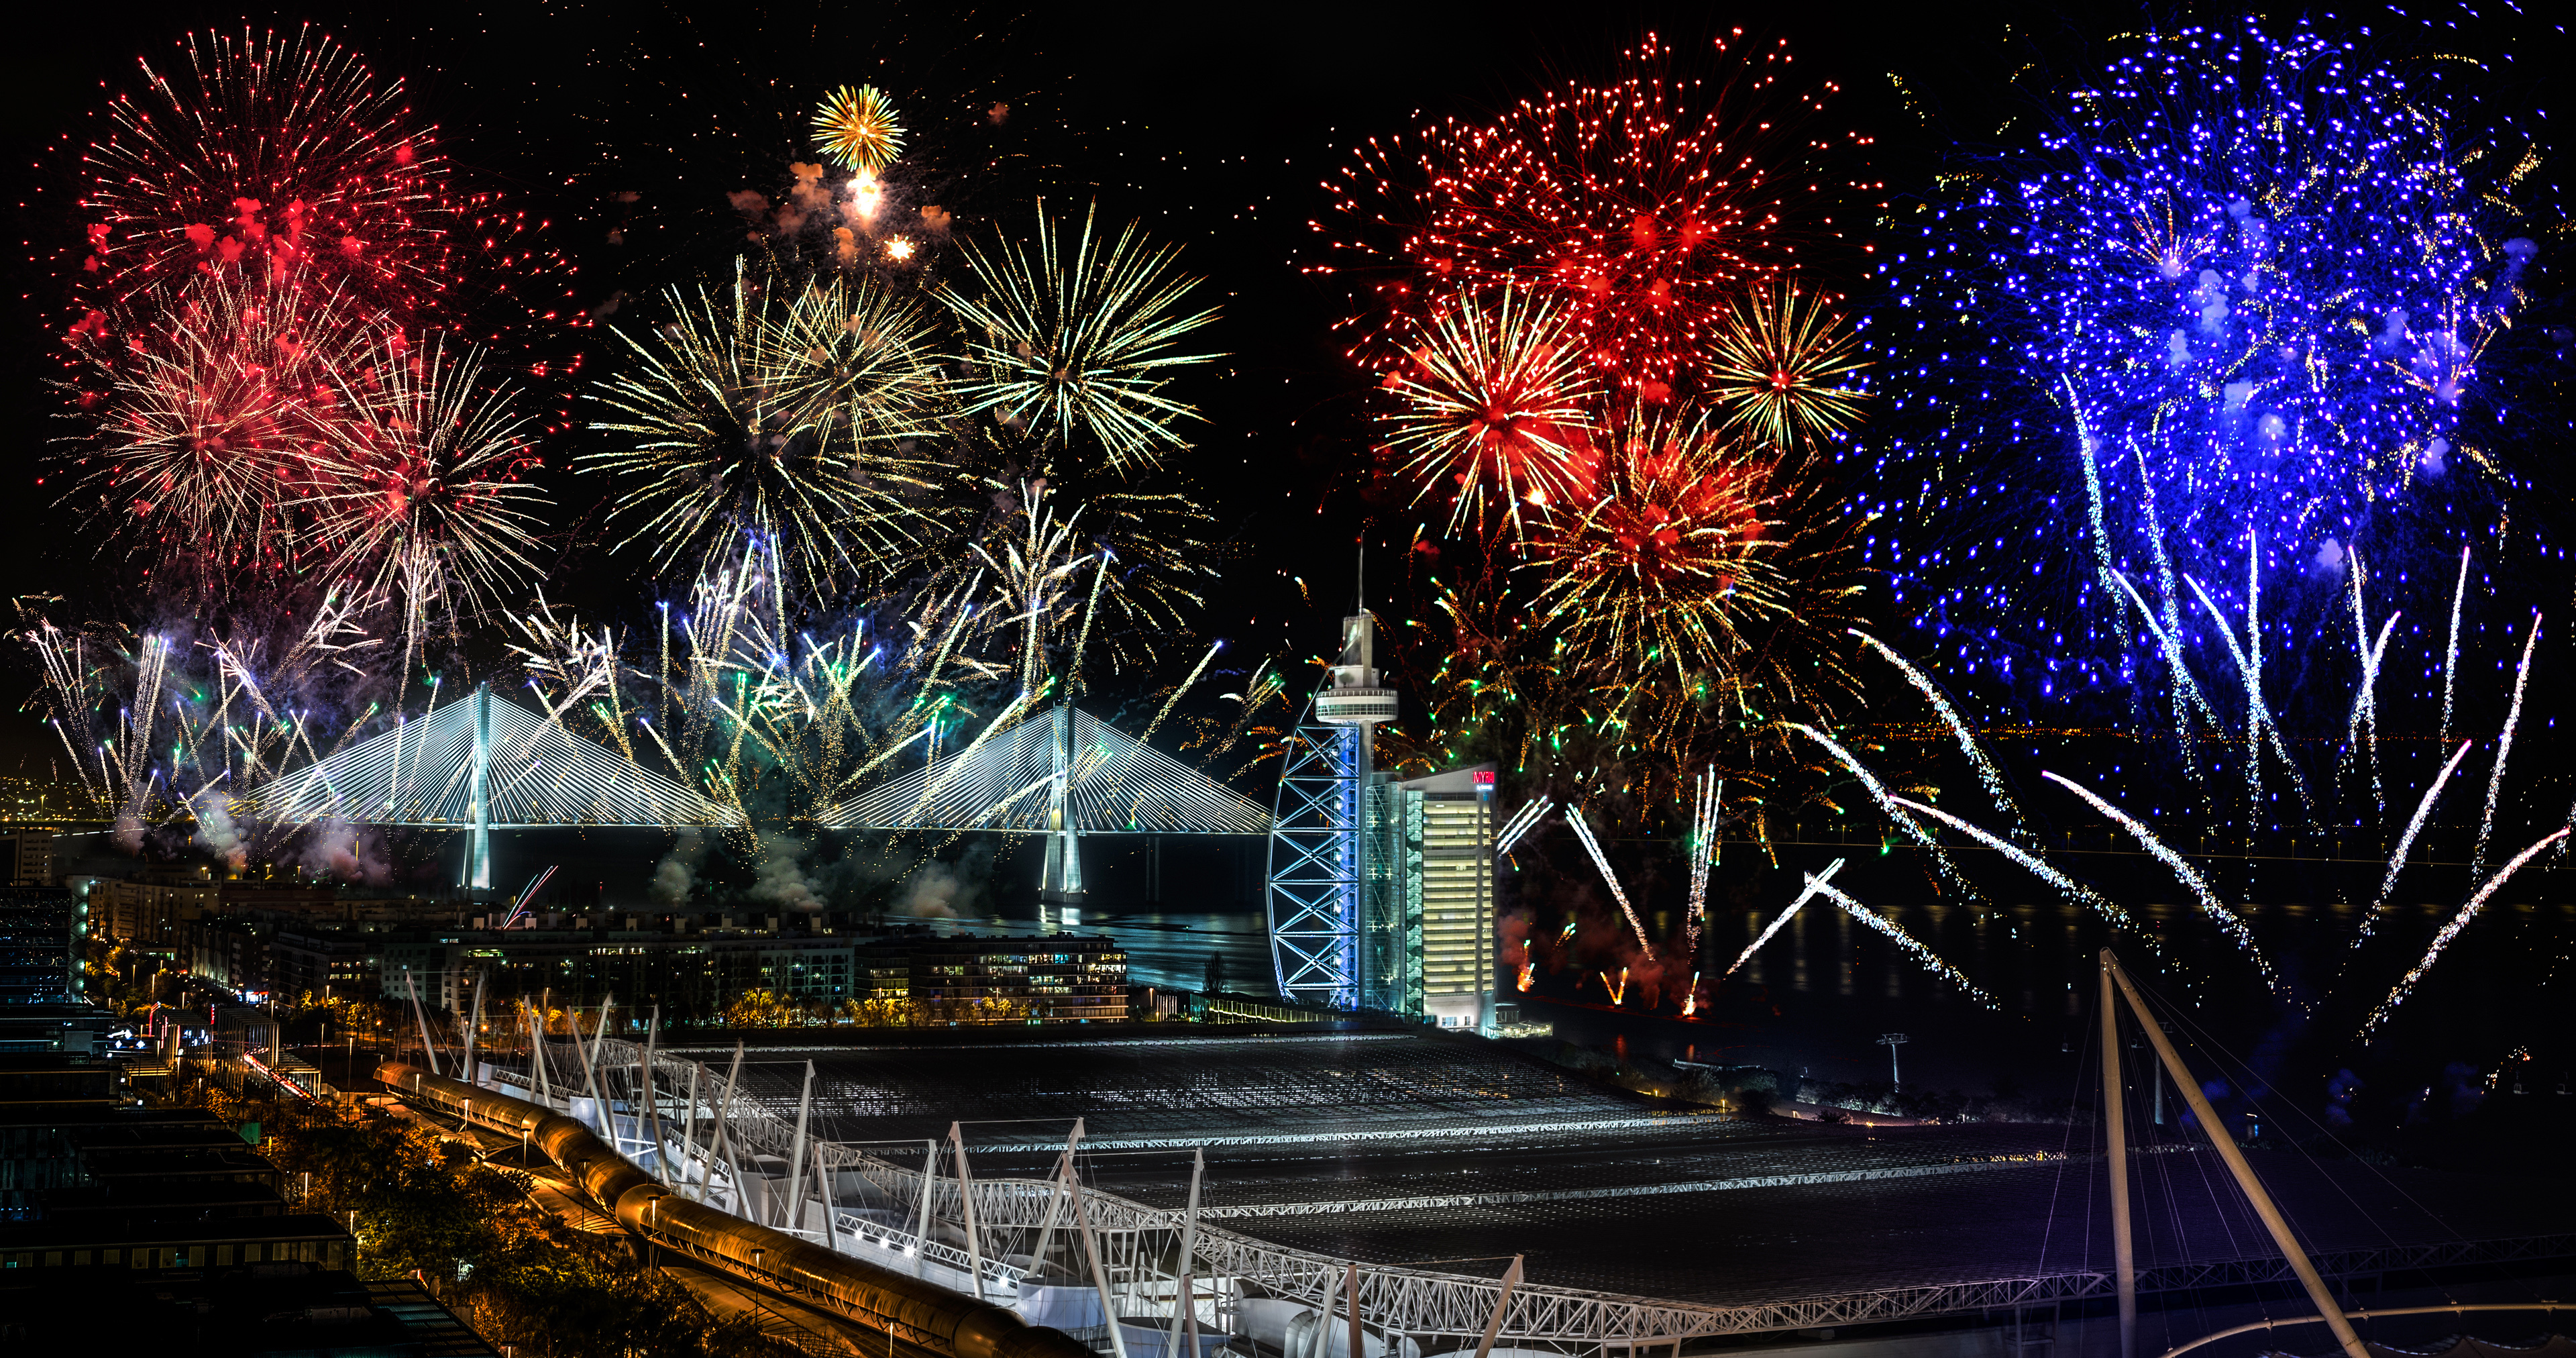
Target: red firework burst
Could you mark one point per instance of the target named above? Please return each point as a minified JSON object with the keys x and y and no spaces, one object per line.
{"x":1492,"y":406}
{"x":216,"y":415}
{"x":1642,"y":207}
{"x":277,"y":153}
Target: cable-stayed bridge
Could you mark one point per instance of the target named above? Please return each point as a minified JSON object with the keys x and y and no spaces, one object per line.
{"x":486,"y":763}
{"x":1063,"y":774}
{"x":483,"y":764}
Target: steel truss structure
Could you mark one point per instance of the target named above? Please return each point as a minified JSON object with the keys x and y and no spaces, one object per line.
{"x":688,"y":1123}
{"x":1315,"y":874}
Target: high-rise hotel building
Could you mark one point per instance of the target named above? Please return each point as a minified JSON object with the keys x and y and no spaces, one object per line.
{"x":1448,"y":880}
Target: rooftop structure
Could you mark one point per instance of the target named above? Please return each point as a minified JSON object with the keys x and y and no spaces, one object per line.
{"x":1430,"y":1161}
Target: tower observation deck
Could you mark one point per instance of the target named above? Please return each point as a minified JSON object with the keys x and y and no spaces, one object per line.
{"x":1337,"y":927}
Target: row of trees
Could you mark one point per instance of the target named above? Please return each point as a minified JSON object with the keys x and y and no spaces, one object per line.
{"x":769,"y":1009}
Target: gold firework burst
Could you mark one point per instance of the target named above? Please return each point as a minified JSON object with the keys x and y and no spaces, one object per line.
{"x":1783,"y":367}
{"x":857,"y":128}
{"x":1703,"y":556}
{"x":1079,"y":335}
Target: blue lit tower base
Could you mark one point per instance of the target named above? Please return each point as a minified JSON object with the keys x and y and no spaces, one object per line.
{"x":1335,"y":932}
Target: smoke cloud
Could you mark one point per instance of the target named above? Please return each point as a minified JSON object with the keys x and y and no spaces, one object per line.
{"x":335,"y":848}
{"x":783,"y":880}
{"x":217,"y":832}
{"x":677,"y":873}
{"x":937,"y":891}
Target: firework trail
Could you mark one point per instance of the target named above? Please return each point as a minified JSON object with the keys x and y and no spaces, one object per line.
{"x":1887,"y":803}
{"x":1081,"y":340}
{"x":2361,"y":733}
{"x":2406,"y":843}
{"x":1583,"y":831}
{"x":1521,"y":823}
{"x":2187,"y":699}
{"x":2451,"y":930}
{"x":2076,"y":892}
{"x":1815,"y":882}
{"x":2504,"y":747}
{"x":1033,"y":574}
{"x":1057,"y":564}
{"x":1183,"y":687}
{"x":1987,"y":773}
{"x":2224,"y":918}
{"x":1703,"y":845}
{"x":153,"y":722}
{"x":2451,"y":652}
{"x":786,"y":420}
{"x":1493,"y":409}
{"x":2258,"y":714}
{"x":1645,"y":207}
{"x":1931,"y":961}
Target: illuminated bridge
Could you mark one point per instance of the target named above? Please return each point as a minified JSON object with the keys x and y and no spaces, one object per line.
{"x":478,"y":765}
{"x":1063,"y":774}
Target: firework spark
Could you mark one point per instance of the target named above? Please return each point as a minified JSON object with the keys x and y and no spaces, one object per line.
{"x":1698,"y":556}
{"x":1643,"y":206}
{"x":276,"y":153}
{"x":787,"y":420}
{"x":426,"y":495}
{"x":2253,"y":283}
{"x":857,"y":127}
{"x":1784,"y":367}
{"x":1079,"y":340}
{"x":1494,"y":402}
{"x":215,"y":419}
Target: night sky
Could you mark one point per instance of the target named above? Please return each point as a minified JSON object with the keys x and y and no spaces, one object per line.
{"x":1216,"y":125}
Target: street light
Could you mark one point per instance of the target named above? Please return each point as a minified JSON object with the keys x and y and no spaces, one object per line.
{"x":1892,"y":1041}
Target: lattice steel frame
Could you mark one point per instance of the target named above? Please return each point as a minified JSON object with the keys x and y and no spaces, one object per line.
{"x":1427,"y":1304}
{"x":1314,"y":869}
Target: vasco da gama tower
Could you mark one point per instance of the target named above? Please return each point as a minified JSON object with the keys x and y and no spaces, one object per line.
{"x":1381,"y":893}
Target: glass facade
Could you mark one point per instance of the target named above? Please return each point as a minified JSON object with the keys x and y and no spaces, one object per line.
{"x":1452,"y":891}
